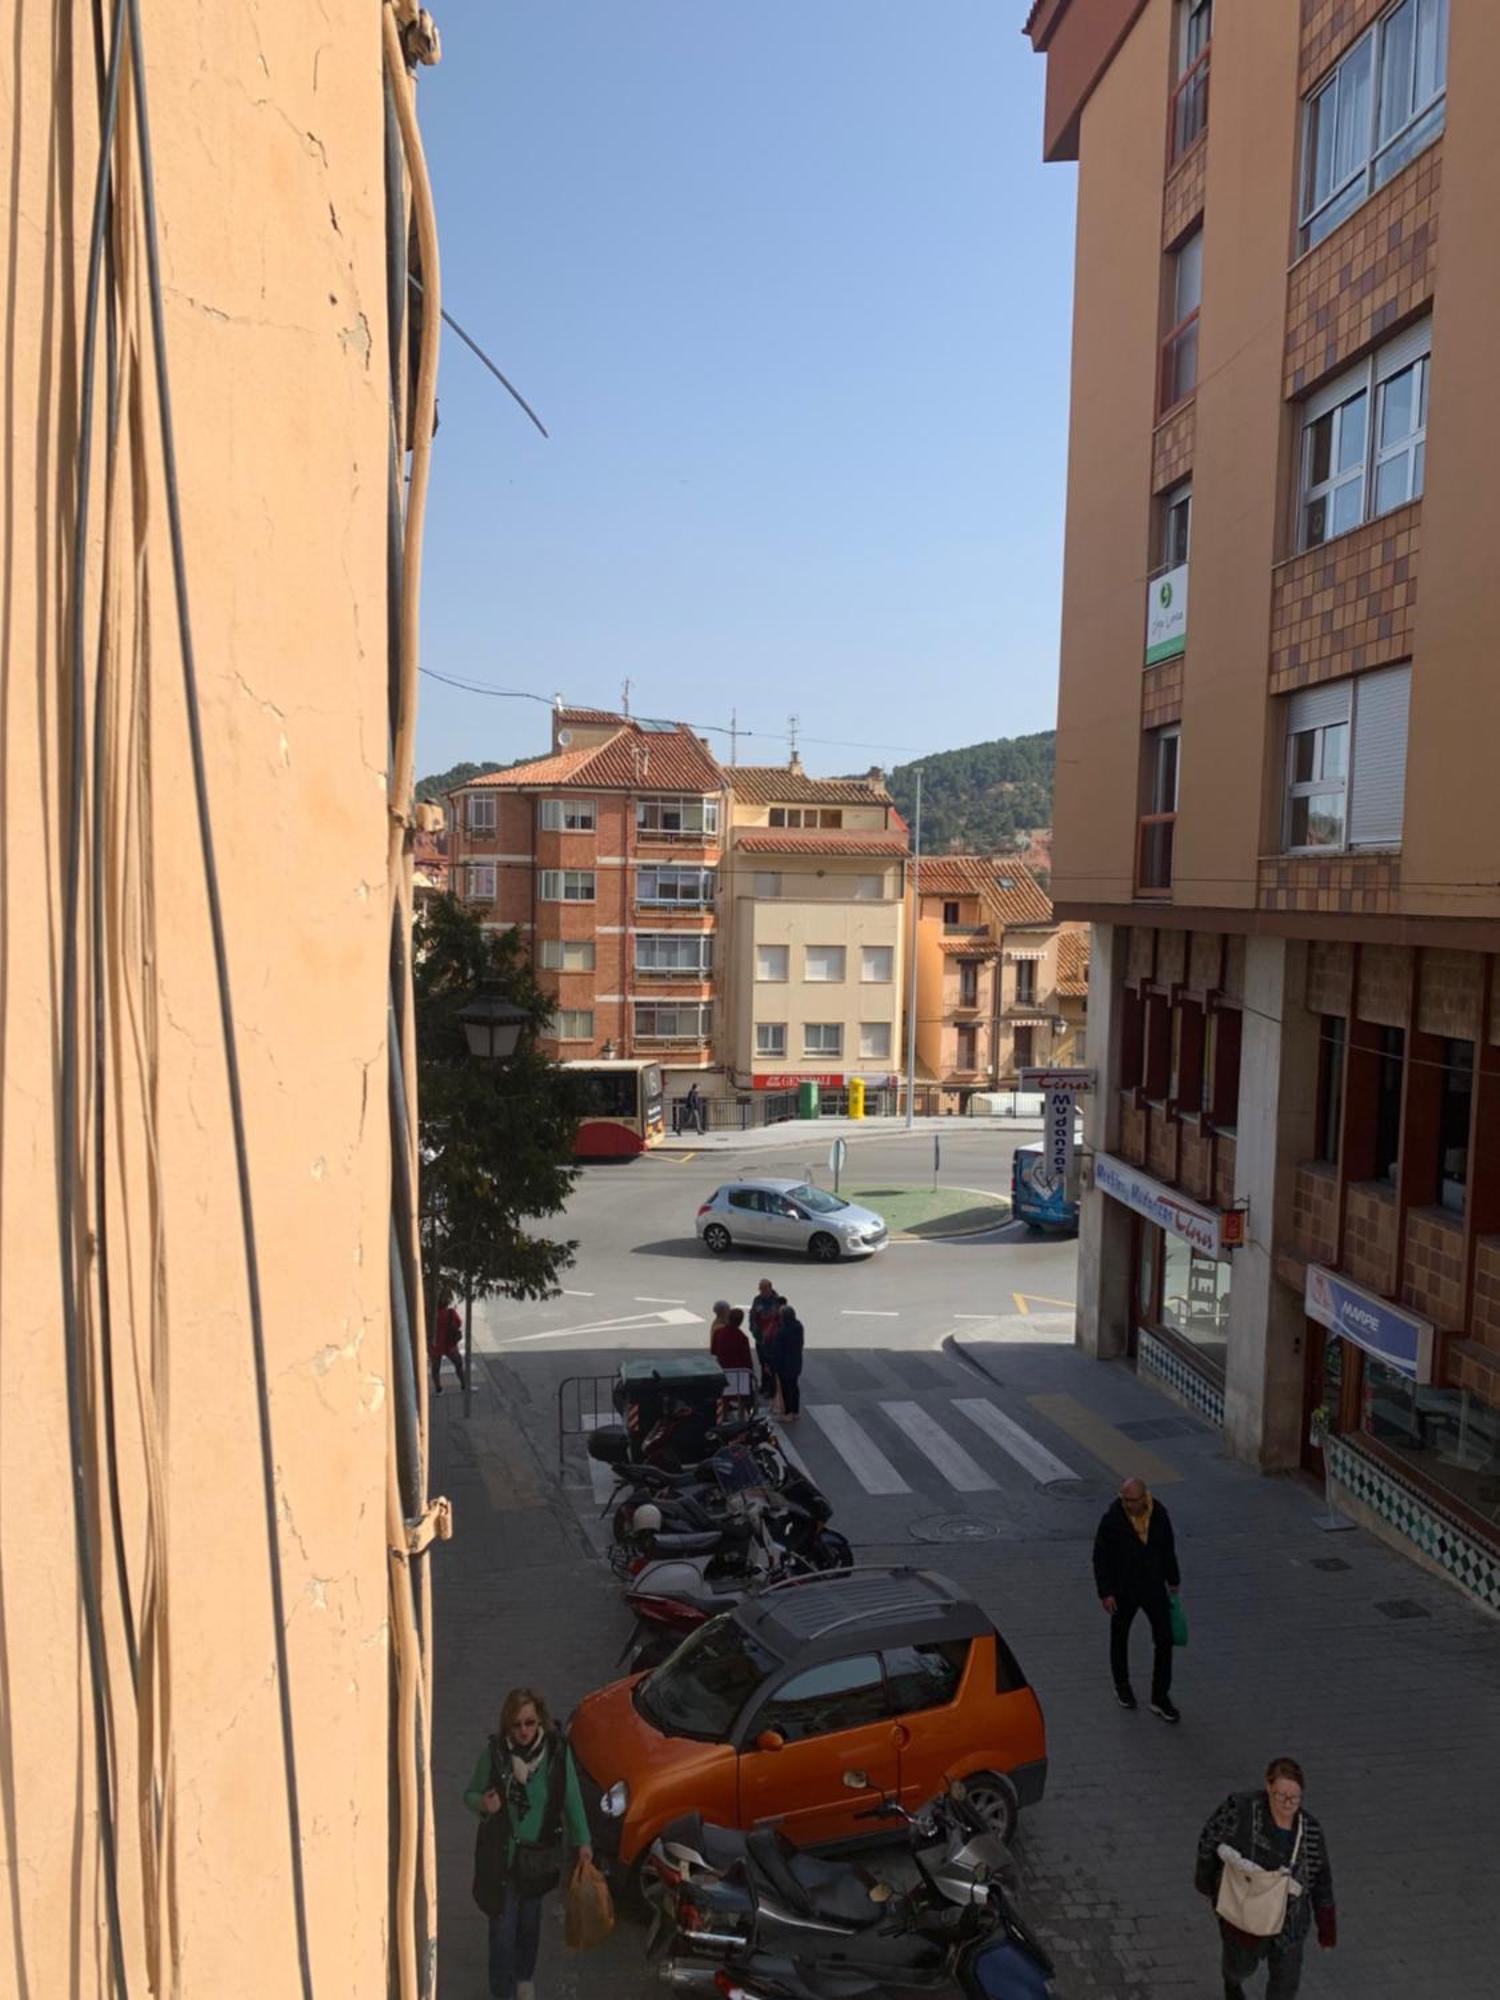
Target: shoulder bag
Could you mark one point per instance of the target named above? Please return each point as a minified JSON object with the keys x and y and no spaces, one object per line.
{"x":489,"y":1849}
{"x":1254,"y":1899}
{"x":536,"y":1866}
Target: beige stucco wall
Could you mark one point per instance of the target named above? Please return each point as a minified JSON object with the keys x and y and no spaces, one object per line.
{"x":269,"y":177}
{"x":798,"y":1000}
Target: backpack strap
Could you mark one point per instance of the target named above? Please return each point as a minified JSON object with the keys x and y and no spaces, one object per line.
{"x":557,"y":1777}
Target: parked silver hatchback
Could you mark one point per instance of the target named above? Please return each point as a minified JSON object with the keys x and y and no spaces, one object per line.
{"x":789,"y":1215}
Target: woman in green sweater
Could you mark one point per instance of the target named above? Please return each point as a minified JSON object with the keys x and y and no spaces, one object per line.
{"x":526,"y":1772}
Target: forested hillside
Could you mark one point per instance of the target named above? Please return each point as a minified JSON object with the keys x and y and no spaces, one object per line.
{"x":442,"y":782}
{"x":981,"y":798}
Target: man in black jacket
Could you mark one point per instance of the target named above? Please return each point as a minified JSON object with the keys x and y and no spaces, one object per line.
{"x":1135,"y":1569}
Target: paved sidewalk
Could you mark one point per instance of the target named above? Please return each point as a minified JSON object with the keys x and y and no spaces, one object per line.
{"x":829,"y":1129}
{"x":1381,"y":1679}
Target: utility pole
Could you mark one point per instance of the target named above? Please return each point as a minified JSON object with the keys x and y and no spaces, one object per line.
{"x":911,"y":946}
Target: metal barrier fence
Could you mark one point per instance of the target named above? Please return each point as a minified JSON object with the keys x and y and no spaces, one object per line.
{"x":583,"y":1403}
{"x":744,"y":1112}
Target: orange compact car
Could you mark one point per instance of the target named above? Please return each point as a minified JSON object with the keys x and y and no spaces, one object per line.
{"x":807,"y":1702}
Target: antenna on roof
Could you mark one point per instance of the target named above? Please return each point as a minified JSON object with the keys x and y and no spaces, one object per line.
{"x":625,"y":698}
{"x":734,"y":736}
{"x":793,"y":724}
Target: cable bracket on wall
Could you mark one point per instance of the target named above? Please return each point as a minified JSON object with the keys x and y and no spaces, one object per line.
{"x":433,"y":1524}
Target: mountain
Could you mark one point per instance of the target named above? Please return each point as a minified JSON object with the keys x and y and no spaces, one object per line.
{"x":442,"y":782}
{"x":982,"y":799}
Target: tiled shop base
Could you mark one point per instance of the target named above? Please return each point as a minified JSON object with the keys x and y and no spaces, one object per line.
{"x":1465,"y":1558}
{"x":1154,"y":1357}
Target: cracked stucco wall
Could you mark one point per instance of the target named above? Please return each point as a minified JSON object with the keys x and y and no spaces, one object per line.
{"x":267,"y":125}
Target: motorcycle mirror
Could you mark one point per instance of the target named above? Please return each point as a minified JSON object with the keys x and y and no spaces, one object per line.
{"x":770,"y":1739}
{"x":856,"y":1781}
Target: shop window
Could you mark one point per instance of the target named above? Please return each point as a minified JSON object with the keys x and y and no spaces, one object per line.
{"x":1132,"y":1039}
{"x":1195,"y":1299}
{"x":1158,"y":1046}
{"x":1390,"y":1063}
{"x":1221,"y":1067}
{"x":1448,"y":1436}
{"x":1187,"y":1057}
{"x":1333,"y":1036}
{"x":1453,"y":1125}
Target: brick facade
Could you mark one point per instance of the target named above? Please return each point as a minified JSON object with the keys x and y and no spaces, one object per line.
{"x":1196,"y":1169}
{"x":1328,"y":28}
{"x":1142,"y":954}
{"x":1485,"y":1320}
{"x":1161,"y":1146}
{"x":1367,"y":885}
{"x":1315,"y":1213}
{"x":1205,"y":962}
{"x":1182,"y":201}
{"x":1172,"y":447}
{"x":1330,"y":977}
{"x":1385,"y":985}
{"x":1451,"y":994}
{"x":1348,"y":605}
{"x":1370,"y":1236}
{"x":1225,"y":1151}
{"x":1161,"y":694}
{"x":1132,"y":1129}
{"x":1432,"y":1276}
{"x":1171,"y":958}
{"x":1376,"y":271}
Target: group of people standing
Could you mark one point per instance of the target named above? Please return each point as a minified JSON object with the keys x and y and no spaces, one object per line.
{"x":771,"y":1351}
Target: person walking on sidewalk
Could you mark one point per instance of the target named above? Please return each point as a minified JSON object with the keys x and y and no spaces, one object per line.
{"x":446,"y":1343}
{"x":765,"y":1316}
{"x":525,"y":1790}
{"x":692,"y":1110}
{"x":786,"y":1361}
{"x":1270,"y":1830}
{"x":1135,"y":1569}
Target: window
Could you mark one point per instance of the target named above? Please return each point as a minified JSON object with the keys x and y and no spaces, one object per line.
{"x":1185,"y":1084}
{"x":1163,"y":752}
{"x":481,"y":882}
{"x":1179,"y":350}
{"x":1389,"y":1067}
{"x":875,"y":1041}
{"x":1348,"y":476}
{"x":1176,"y":526}
{"x":1223,"y":1036}
{"x":1446,"y":1435}
{"x":672,"y":1021}
{"x":1195,"y":1299}
{"x":683,"y":954}
{"x":573,"y":1024}
{"x":876,"y":964}
{"x":677,"y":819}
{"x":771,"y":961}
{"x":840,"y":1694}
{"x":968,"y":1048}
{"x":692,"y":888}
{"x":567,"y":815}
{"x":1023,"y":1049}
{"x":766,"y":884}
{"x":1346,"y":763}
{"x":567,"y":885}
{"x":567,"y":954}
{"x":968,"y":982}
{"x":481,"y":813}
{"x":925,"y":1676}
{"x":823,"y":964}
{"x":1190,"y":99}
{"x":1332,"y":1039}
{"x":770,"y":1038}
{"x":1453,"y":1124}
{"x":1158,"y":1069}
{"x":1383,"y":103}
{"x":1026,"y":982}
{"x":950,"y":913}
{"x":807,"y":816}
{"x":823,"y":1038}
{"x":869,"y":888}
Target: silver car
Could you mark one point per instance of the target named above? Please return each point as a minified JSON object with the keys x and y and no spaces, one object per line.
{"x":789,"y":1215}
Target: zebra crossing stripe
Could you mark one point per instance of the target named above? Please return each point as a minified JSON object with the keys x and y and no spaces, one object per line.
{"x":860,"y":1453}
{"x":963,"y":1474}
{"x":1026,"y":1450}
{"x":791,"y":1454}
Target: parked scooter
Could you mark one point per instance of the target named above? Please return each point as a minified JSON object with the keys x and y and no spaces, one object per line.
{"x":677,"y":1444}
{"x":796,"y":1518}
{"x":748,"y":1914}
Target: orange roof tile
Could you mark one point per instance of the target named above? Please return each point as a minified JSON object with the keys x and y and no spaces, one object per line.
{"x":778,"y":840}
{"x":632,"y":760}
{"x":1007,"y":887}
{"x":780,"y":785}
{"x":1073,"y":960}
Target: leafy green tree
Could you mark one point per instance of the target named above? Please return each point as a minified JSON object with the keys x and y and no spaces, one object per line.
{"x":496,"y":1138}
{"x":981,"y":799}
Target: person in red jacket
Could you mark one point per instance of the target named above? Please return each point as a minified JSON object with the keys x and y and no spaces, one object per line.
{"x":446,"y":1342}
{"x":729,"y":1343}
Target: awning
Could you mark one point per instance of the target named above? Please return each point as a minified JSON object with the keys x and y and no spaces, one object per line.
{"x":1016,"y":955}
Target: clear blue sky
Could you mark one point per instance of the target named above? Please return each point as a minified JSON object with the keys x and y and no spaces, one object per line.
{"x":791,"y":288}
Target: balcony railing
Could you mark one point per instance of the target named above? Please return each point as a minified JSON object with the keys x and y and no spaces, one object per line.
{"x":1153,"y":860}
{"x":966,"y":930}
{"x":677,"y":836}
{"x":1189,"y":109}
{"x":692,"y":975}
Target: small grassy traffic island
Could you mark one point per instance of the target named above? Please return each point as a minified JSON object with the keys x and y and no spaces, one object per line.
{"x":932,"y":1212}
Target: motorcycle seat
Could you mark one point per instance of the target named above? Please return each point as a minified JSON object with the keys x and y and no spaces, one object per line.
{"x":834,"y":1890}
{"x":686,"y":1543}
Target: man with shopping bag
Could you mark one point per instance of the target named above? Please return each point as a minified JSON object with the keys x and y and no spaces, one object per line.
{"x":1135,"y":1569}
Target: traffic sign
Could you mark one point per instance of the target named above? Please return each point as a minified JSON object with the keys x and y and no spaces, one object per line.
{"x":838,"y":1152}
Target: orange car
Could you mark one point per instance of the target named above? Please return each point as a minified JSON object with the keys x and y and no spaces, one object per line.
{"x":763,"y":1713}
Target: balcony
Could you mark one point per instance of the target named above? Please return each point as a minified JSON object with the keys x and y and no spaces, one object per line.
{"x":1189,"y":110}
{"x":966,"y":930}
{"x":1153,"y":854}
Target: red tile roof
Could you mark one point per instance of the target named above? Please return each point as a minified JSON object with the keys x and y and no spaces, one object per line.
{"x":1073,"y":960}
{"x":632,"y":760}
{"x":950,"y":875}
{"x":1008,"y":888}
{"x":780,"y":785}
{"x":590,"y":715}
{"x":778,"y":840}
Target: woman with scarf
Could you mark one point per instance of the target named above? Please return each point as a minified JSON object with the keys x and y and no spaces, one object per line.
{"x":1269,"y":1830}
{"x":525,"y":1791}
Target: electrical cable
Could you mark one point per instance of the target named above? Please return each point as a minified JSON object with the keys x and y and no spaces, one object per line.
{"x":500,"y":377}
{"x":70,"y":1247}
{"x":222,"y":980}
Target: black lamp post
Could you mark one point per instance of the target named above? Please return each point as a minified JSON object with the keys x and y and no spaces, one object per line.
{"x":493,"y":1024}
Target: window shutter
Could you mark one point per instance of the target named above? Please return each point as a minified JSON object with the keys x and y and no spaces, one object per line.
{"x":1404,"y":350}
{"x":1378,"y":772}
{"x":1317,"y":707}
{"x":1339,"y":390}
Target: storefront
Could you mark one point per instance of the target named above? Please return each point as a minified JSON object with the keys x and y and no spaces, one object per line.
{"x":1180,"y":1280}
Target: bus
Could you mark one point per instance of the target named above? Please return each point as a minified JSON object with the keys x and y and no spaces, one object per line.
{"x":623,"y":1108}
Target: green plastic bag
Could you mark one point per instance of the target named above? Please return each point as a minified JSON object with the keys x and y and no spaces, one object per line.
{"x":1179,"y":1622}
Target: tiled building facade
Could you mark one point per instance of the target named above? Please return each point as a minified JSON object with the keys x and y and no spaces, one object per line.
{"x":1286,"y":839}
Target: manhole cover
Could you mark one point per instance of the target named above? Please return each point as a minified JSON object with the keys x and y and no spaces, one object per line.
{"x":954,"y":1528}
{"x":1403,"y":1607}
{"x":1330,"y":1563}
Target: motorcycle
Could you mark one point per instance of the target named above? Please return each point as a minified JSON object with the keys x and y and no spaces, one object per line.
{"x":796,"y":1517}
{"x":679,"y":1444}
{"x":752,"y":1916}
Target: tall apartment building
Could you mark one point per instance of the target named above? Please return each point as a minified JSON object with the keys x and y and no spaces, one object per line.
{"x":605,"y":856}
{"x":813,"y":906}
{"x":1275,"y":791}
{"x":987,"y":974}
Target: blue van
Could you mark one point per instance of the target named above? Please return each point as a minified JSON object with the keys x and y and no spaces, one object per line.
{"x":1038,"y":1207}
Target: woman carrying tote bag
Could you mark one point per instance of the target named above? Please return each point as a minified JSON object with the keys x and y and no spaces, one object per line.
{"x":525,"y":1791}
{"x":1263,"y":1862}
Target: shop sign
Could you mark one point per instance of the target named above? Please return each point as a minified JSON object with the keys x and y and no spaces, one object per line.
{"x":1166,"y":616}
{"x":1080,"y":1080}
{"x":1057,"y":1139}
{"x":825,"y":1081}
{"x":1201,"y":1227}
{"x":1402,"y":1340}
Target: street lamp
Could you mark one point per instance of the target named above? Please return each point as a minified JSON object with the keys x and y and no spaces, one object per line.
{"x":493,"y":1024}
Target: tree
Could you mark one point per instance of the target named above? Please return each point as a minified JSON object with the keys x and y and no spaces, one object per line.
{"x":496,"y":1138}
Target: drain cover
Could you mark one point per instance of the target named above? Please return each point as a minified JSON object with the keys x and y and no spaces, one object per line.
{"x":1330,"y":1563}
{"x":954,"y":1528}
{"x":1403,"y":1607}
